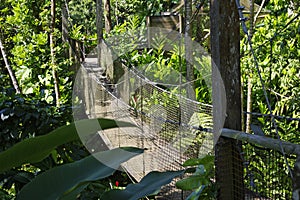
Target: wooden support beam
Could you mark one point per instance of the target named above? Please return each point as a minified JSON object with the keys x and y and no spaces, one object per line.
{"x":225,"y":49}
{"x":263,"y":141}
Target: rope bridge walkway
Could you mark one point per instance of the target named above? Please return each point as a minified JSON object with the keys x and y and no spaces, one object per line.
{"x":171,"y":127}
{"x":164,"y":126}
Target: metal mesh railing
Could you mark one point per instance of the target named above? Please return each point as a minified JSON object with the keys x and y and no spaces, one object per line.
{"x":174,"y":128}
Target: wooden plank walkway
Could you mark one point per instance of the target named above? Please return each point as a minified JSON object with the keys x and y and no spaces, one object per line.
{"x":158,"y":156}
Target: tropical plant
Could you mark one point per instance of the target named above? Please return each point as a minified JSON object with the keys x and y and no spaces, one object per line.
{"x":25,"y":35}
{"x":68,"y":180}
{"x":200,"y":182}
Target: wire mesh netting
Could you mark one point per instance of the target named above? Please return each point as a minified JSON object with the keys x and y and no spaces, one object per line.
{"x":162,"y":118}
{"x":266,"y":173}
{"x":170,"y":126}
{"x":173,"y":128}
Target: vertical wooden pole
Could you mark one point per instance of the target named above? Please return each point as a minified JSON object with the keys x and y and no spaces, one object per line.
{"x":99,"y":24}
{"x":249,"y":81}
{"x":52,"y":53}
{"x":225,"y":49}
{"x":188,"y":47}
{"x":107,"y":16}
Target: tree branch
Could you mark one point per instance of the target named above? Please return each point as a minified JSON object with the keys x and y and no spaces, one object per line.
{"x":9,"y":69}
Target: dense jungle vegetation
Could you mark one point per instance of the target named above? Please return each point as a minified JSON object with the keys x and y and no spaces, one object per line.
{"x":38,"y":66}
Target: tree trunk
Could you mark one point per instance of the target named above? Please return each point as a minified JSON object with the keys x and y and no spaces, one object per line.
{"x":225,"y":49}
{"x":249,"y":88}
{"x":251,"y":18}
{"x":99,"y":24}
{"x":249,"y":103}
{"x":188,"y":49}
{"x":116,"y":13}
{"x":107,"y":16}
{"x":52,"y":53}
{"x":64,"y":28}
{"x":9,"y":69}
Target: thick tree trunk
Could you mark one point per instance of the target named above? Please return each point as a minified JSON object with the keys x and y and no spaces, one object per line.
{"x":9,"y":69}
{"x":52,"y":53}
{"x":107,"y":16}
{"x":225,"y":49}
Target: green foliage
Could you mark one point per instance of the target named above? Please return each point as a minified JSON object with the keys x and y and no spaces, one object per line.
{"x":150,"y":184}
{"x":68,"y":181}
{"x":200,"y":182}
{"x":277,"y":50}
{"x":123,"y":9}
{"x":25,"y":116}
{"x":26,"y":32}
{"x":4,"y":195}
{"x":22,"y":117}
{"x":34,"y":153}
{"x":60,"y":181}
{"x":82,"y":16}
{"x":276,"y":45}
{"x":35,"y":149}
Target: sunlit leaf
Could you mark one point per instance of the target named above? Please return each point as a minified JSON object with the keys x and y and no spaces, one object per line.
{"x":199,"y":161}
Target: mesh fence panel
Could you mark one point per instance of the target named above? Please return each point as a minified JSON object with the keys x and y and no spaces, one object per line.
{"x":266,"y":173}
{"x":169,"y":125}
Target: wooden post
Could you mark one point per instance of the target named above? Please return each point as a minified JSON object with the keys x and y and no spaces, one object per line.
{"x":225,"y":49}
{"x":99,"y":25}
{"x":107,"y":16}
{"x":188,"y":51}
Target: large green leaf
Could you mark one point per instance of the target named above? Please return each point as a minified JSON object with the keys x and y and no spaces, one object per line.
{"x":207,"y":161}
{"x":36,"y":149}
{"x":147,"y":186}
{"x":61,"y":180}
{"x":72,"y":194}
{"x":192,"y":182}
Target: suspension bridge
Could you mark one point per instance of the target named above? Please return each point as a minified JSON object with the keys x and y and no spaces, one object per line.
{"x":170,"y":126}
